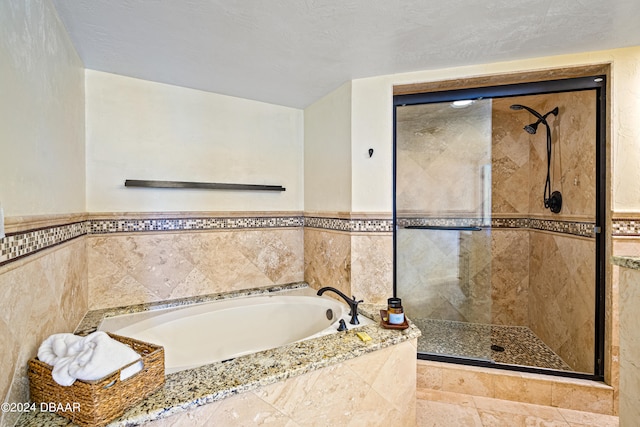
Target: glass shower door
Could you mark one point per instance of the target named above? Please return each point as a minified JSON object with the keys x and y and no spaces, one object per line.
{"x":443,"y":219}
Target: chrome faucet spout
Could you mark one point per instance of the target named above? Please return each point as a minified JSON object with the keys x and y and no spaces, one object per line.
{"x":352,"y":302}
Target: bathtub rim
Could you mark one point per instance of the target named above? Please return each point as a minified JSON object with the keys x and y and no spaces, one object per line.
{"x":130,"y":323}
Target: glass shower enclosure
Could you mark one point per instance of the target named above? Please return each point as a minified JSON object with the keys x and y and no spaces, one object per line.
{"x":491,"y":273}
{"x":443,"y":218}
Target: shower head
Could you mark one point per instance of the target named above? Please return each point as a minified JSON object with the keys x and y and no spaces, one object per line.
{"x":552,"y":201}
{"x":532,"y":128}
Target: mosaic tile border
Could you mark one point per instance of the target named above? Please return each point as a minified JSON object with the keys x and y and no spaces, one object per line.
{"x":625,"y":227}
{"x":575,"y":228}
{"x":584,"y":229}
{"x":185,"y":224}
{"x":350,"y":225}
{"x":440,"y":222}
{"x":21,"y":244}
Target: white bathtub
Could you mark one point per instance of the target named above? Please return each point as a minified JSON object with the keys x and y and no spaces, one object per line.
{"x":204,"y":333}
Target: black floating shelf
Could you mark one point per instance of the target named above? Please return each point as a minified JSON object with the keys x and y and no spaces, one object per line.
{"x":201,"y":185}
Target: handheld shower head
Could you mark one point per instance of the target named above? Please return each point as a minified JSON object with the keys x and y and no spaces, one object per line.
{"x":533,"y":127}
{"x":552,"y":201}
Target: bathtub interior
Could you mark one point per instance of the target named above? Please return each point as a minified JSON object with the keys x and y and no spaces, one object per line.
{"x":199,"y":334}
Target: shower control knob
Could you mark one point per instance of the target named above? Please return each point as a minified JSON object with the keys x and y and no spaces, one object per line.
{"x":555,"y":202}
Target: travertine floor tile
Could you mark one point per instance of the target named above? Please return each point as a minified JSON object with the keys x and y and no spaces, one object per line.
{"x":579,"y":418}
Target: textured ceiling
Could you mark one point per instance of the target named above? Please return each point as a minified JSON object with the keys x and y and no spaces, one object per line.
{"x":292,"y":52}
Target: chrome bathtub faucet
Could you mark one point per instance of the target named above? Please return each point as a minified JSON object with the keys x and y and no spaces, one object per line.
{"x":353,"y":303}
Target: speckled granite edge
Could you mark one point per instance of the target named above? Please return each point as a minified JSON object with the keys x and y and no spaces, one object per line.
{"x":196,"y":387}
{"x":92,"y":319}
{"x":626,"y":261}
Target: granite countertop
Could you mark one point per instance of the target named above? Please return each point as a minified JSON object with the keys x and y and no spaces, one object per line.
{"x":195,"y":387}
{"x":632,"y":262}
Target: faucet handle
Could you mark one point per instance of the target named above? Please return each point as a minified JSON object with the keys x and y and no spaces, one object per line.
{"x":354,"y":310}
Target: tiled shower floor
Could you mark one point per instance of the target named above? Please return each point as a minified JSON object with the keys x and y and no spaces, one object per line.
{"x":474,"y":340}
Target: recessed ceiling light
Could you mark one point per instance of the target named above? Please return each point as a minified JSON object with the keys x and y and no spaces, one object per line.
{"x":462,"y":103}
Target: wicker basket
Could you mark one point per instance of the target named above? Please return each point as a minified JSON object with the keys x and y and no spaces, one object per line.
{"x":96,"y":403}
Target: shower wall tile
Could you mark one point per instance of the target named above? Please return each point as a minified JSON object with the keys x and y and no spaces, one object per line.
{"x":327,"y":259}
{"x":510,"y":277}
{"x":561,"y":296}
{"x":509,"y":162}
{"x":478,"y":288}
{"x":445,"y":274}
{"x":427,"y":274}
{"x":518,"y":185}
{"x":445,"y":154}
{"x":39,"y":295}
{"x":134,"y":268}
{"x":519,"y":176}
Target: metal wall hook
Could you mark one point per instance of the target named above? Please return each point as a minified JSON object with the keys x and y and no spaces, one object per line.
{"x":370,"y":152}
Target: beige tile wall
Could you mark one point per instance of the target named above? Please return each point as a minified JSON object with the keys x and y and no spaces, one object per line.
{"x":131,"y":268}
{"x":562,"y":296}
{"x":445,"y":154}
{"x":519,"y":160}
{"x":372,"y":267}
{"x":629,"y":347}
{"x":356,"y":263}
{"x":510,"y":277}
{"x":559,"y":299}
{"x":39,"y":296}
{"x":327,"y":259}
{"x":624,"y":246}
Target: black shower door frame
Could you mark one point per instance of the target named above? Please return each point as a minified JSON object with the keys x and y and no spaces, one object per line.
{"x":597,"y":83}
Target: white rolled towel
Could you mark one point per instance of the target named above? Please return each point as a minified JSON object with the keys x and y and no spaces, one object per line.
{"x":87,"y":358}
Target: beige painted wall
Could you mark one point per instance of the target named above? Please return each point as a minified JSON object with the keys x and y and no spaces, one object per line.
{"x":139,"y":129}
{"x":327,"y":152}
{"x":41,"y":113}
